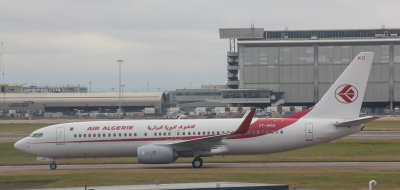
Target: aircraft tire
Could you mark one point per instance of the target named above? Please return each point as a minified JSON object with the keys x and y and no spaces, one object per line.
{"x":197,"y":162}
{"x":53,"y":166}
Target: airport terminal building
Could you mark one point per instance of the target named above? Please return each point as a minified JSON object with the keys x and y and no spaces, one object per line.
{"x":302,"y":64}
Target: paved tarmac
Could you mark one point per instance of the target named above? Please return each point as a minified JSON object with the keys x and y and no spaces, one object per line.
{"x":318,"y":165}
{"x":12,"y":137}
{"x":359,"y":135}
{"x":375,"y":135}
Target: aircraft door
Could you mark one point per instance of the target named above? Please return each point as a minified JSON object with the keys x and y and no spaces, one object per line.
{"x":309,"y":131}
{"x":60,"y":136}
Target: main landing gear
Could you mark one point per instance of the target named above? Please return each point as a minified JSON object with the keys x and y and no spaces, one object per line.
{"x":53,"y":166}
{"x":197,"y":162}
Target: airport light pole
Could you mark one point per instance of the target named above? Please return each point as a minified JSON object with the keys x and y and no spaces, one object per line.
{"x":119,"y":87}
{"x":122,"y":92}
{"x":90,"y":86}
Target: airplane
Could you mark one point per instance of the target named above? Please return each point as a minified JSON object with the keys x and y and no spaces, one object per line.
{"x":335,"y":116}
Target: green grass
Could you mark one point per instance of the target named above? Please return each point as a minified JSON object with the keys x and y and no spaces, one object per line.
{"x":299,"y":178}
{"x":383,"y":125}
{"x":342,"y":150}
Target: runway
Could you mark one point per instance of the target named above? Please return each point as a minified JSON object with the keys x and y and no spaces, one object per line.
{"x":359,"y":135}
{"x":375,"y":135}
{"x":310,"y":165}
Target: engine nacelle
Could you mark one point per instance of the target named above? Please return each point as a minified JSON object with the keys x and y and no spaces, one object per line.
{"x":151,"y":154}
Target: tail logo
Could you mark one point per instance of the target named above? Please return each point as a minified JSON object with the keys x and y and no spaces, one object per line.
{"x":346,"y":93}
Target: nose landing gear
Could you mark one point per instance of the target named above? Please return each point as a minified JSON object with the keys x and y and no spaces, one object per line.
{"x":197,"y":162}
{"x":53,"y":166}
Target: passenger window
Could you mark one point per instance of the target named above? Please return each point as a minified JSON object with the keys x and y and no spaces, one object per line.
{"x":212,"y":133}
{"x":155,"y":133}
{"x":199,"y":133}
{"x":74,"y":135}
{"x":281,"y":131}
{"x":258,"y":132}
{"x":104,"y":135}
{"x":165,"y":134}
{"x":109,"y":134}
{"x":262,"y":132}
{"x":80,"y":135}
{"x":204,"y":133}
{"x":84,"y":135}
{"x":254,"y":132}
{"x":94,"y":135}
{"x":135,"y":134}
{"x":119,"y":134}
{"x":89,"y":135}
{"x":217,"y":132}
{"x":183,"y":133}
{"x":188,"y":133}
{"x":145,"y":134}
{"x":114,"y":135}
{"x":177,"y":133}
{"x":130,"y":134}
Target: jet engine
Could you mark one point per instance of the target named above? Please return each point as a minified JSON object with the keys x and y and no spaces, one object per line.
{"x":151,"y":154}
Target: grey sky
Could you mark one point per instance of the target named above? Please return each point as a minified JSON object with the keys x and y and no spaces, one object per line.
{"x":165,"y":43}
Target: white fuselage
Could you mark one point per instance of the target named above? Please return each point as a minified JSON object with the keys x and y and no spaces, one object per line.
{"x":122,"y":138}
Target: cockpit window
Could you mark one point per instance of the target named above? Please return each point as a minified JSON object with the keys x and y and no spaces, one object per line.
{"x":37,"y":135}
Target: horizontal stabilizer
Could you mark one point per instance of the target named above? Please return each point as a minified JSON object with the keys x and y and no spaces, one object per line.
{"x":358,"y":121}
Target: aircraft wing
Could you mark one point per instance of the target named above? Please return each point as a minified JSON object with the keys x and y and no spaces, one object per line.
{"x":204,"y":146}
{"x":358,"y":121}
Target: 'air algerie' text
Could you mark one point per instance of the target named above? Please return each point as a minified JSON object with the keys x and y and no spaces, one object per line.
{"x":110,"y":128}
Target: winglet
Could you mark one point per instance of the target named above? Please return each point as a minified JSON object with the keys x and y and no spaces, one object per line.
{"x":245,"y":125}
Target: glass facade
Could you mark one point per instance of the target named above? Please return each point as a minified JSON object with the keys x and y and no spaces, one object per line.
{"x":396,"y":72}
{"x":279,"y":69}
{"x":245,"y":94}
{"x":277,"y":55}
{"x":345,"y":54}
{"x":291,"y":68}
{"x":331,"y":33}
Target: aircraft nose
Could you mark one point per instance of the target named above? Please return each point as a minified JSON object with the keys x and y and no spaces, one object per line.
{"x":20,"y":145}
